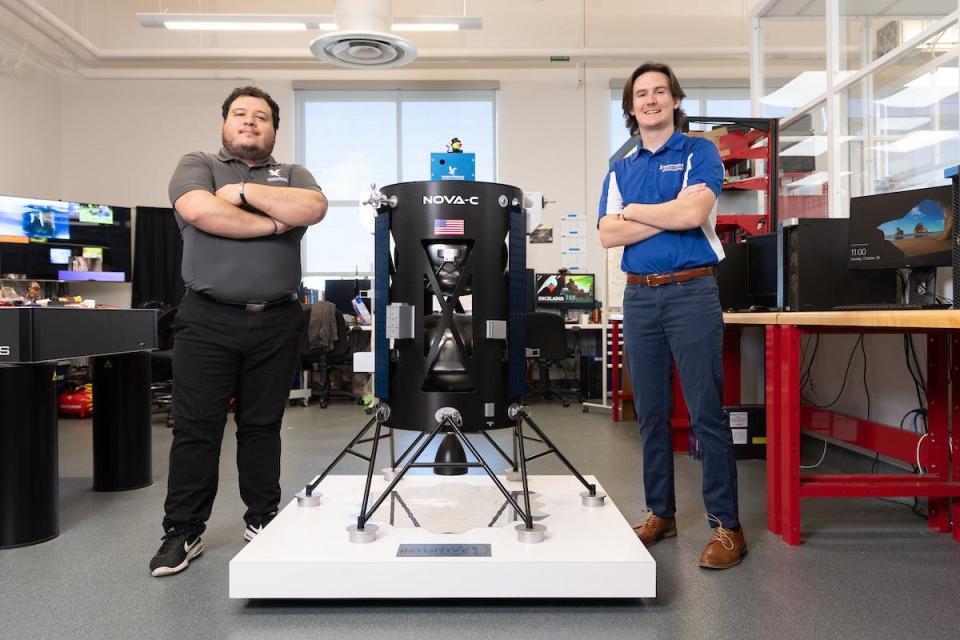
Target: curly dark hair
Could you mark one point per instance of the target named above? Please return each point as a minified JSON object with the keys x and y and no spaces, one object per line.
{"x":679,"y":117}
{"x":255,"y":93}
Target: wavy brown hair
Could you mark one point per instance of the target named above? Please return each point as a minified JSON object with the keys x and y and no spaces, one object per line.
{"x":679,"y":117}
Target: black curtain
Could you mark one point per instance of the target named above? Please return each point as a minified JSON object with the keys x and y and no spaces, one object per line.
{"x":157,"y":253}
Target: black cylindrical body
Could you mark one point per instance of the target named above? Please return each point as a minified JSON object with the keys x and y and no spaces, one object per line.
{"x":121,"y":422}
{"x":451,"y":241}
{"x":29,"y":489}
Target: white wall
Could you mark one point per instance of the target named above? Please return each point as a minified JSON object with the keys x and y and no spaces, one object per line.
{"x":30,"y":104}
{"x":133,"y":132}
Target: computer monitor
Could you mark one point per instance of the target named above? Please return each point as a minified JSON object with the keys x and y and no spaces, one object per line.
{"x":903,"y":230}
{"x":342,"y":293}
{"x":566,"y":290}
{"x":40,"y":239}
{"x":26,"y":219}
{"x":59,"y":255}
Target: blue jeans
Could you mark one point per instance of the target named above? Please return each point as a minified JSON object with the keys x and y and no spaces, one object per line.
{"x":680,"y":322}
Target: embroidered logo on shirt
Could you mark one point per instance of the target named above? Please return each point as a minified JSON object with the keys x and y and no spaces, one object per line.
{"x":672,"y":167}
{"x":274,"y":176}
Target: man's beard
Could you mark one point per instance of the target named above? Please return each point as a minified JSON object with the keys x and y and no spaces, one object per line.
{"x":251,"y":153}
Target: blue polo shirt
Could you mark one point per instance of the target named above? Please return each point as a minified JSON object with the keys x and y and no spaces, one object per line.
{"x":643,"y":177}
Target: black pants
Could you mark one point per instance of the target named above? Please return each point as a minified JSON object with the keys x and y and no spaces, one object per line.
{"x":222,"y":352}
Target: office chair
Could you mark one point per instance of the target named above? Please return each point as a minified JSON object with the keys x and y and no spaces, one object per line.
{"x":161,"y":366}
{"x":338,"y":357}
{"x":547,"y":338}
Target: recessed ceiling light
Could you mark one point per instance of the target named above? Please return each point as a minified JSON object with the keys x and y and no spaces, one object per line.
{"x":290,"y":22}
{"x":187,"y":25}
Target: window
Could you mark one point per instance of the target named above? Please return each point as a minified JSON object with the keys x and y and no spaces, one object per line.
{"x":350,"y":139}
{"x":721,"y":102}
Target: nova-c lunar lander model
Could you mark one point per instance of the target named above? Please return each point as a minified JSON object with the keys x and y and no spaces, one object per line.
{"x":454,"y":371}
{"x":439,"y":370}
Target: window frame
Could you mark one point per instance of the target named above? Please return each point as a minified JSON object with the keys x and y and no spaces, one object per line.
{"x":399,"y":96}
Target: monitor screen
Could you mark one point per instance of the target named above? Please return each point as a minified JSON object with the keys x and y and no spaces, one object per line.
{"x":901,"y":229}
{"x":342,"y":293}
{"x":59,"y":255}
{"x":42,"y":238}
{"x":25,"y":219}
{"x":566,"y":290}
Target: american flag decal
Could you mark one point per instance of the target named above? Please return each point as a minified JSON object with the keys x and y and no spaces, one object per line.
{"x":448,"y":227}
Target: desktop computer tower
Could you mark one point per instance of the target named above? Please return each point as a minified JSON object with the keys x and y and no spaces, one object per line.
{"x":747,"y":276}
{"x":732,"y":277}
{"x":762,"y":270}
{"x":812,"y":254}
{"x":591,"y":376}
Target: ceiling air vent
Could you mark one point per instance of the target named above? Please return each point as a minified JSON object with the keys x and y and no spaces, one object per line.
{"x":364,"y":40}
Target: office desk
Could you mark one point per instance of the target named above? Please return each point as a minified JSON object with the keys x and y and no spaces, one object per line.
{"x":785,"y":414}
{"x":734,"y":324}
{"x":603,"y":329}
{"x":679,"y":419}
{"x":32,"y":340}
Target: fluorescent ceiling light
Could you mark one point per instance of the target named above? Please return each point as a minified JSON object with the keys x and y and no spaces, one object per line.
{"x":234,"y":26}
{"x":806,"y":87}
{"x":901,"y":123}
{"x":918,"y":140}
{"x":928,"y":89}
{"x":421,"y":26}
{"x":812,"y":146}
{"x":290,"y":22}
{"x":814,"y":179}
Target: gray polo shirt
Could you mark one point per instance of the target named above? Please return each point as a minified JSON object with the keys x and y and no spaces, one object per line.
{"x":238,"y":270}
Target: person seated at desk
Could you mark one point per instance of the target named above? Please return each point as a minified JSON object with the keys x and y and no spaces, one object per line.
{"x":33,"y":293}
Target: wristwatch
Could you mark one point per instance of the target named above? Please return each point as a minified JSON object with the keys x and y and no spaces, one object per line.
{"x":243,"y":199}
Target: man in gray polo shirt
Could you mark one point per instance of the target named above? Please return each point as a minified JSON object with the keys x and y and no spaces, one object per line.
{"x":242,"y":215}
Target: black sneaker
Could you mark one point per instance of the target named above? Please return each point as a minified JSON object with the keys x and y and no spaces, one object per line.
{"x":255,"y":529}
{"x":175,"y":553}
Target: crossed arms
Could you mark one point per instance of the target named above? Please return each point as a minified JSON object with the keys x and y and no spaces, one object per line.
{"x":220,"y":213}
{"x":637,"y":222}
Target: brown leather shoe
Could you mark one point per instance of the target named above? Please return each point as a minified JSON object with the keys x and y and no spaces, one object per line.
{"x":654,"y":529}
{"x":725,"y":549}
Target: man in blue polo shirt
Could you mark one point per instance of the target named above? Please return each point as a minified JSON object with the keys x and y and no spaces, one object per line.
{"x":658,"y":203}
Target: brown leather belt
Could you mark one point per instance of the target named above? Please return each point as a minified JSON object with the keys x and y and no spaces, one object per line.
{"x":657,"y":279}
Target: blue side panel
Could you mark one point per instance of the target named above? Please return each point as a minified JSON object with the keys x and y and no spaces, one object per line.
{"x":517,"y":328}
{"x":381,"y":288}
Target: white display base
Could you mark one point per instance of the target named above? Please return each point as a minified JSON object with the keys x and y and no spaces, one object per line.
{"x":588,"y":552}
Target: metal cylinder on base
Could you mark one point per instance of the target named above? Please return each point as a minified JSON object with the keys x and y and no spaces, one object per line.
{"x":451,"y":241}
{"x":29,"y":486}
{"x":121,"y":422}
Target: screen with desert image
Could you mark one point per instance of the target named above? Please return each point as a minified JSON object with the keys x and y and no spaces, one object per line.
{"x":901,"y":229}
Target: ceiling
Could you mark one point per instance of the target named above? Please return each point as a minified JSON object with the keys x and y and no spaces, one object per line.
{"x":97,"y":38}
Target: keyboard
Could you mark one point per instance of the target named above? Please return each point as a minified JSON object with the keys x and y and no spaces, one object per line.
{"x":888,"y":306}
